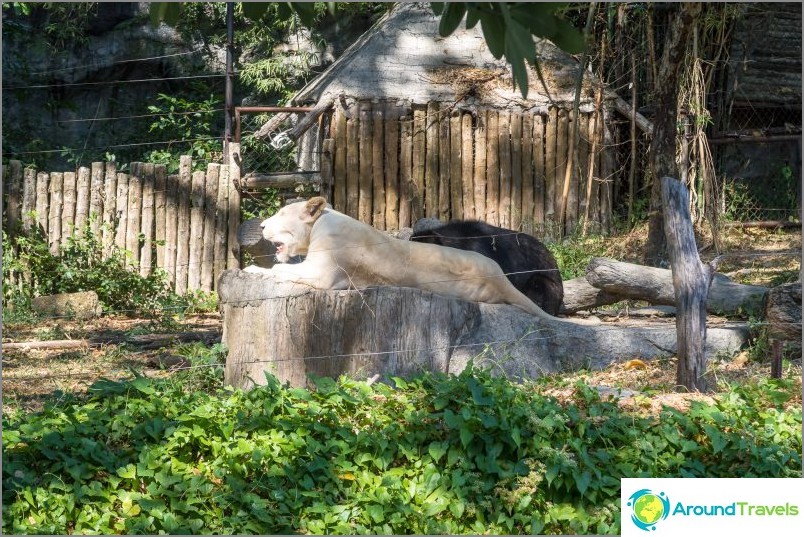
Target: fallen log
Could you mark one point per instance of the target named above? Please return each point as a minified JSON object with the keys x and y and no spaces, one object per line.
{"x":51,"y":344}
{"x":294,"y":331}
{"x":621,"y":281}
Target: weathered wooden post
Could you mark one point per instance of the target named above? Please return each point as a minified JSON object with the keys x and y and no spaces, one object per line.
{"x":691,"y":280}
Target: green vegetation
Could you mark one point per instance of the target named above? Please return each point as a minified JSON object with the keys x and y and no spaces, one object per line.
{"x":434,"y":455}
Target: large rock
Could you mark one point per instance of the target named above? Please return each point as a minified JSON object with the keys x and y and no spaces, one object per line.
{"x":81,"y":305}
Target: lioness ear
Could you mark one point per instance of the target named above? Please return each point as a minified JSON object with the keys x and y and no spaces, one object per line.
{"x":313,"y":209}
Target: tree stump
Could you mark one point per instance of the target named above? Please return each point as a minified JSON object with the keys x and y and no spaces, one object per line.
{"x":294,"y":331}
{"x":783,"y":317}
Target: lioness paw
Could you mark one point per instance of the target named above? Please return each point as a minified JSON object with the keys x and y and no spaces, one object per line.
{"x":254,"y":269}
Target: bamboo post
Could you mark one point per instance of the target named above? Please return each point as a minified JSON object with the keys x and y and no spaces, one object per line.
{"x":539,"y":174}
{"x":121,"y":201}
{"x":109,"y":206}
{"x":82,"y":198}
{"x":147,"y":223}
{"x":28,"y":199}
{"x":183,"y":223}
{"x":233,"y":206}
{"x":339,"y":164}
{"x":444,"y":159}
{"x":467,"y":166}
{"x":134,"y":212}
{"x":160,"y":188}
{"x":479,"y":170}
{"x":493,"y":169}
{"x":352,"y":167}
{"x":377,"y":179}
{"x":54,"y":214}
{"x":221,"y":224}
{"x":418,"y":159}
{"x":196,"y":230}
{"x":550,"y":168}
{"x":171,"y":230}
{"x":364,"y":207}
{"x":68,"y":207}
{"x":431,"y":161}
{"x":456,"y":167}
{"x":391,"y":169}
{"x":515,"y":177}
{"x":527,"y":173}
{"x":504,"y":134}
{"x":406,"y":187}
{"x":96,"y":197}
{"x":14,"y":201}
{"x":208,"y":242}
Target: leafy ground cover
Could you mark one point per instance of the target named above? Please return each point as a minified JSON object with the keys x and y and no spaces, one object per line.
{"x":432,"y":455}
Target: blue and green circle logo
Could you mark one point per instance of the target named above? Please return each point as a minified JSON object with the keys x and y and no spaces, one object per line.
{"x":648,"y":508}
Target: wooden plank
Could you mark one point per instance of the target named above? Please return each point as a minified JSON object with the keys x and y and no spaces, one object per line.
{"x":42,"y":201}
{"x":147,"y":222}
{"x":418,"y":163}
{"x":134,"y":212}
{"x":366,"y":191}
{"x":391,"y":169}
{"x":54,"y":211}
{"x":504,"y":137}
{"x":527,"y":173}
{"x":493,"y":169}
{"x":574,"y":166}
{"x":467,"y":165}
{"x":82,"y":198}
{"x":121,"y":206}
{"x":109,"y":206}
{"x":171,"y":231}
{"x":377,"y":179}
{"x":431,"y":161}
{"x":210,"y":195}
{"x":550,"y":169}
{"x":406,"y":186}
{"x":339,"y":164}
{"x":539,"y":175}
{"x":14,"y":200}
{"x":96,"y":197}
{"x":160,"y":187}
{"x":479,"y":168}
{"x":455,"y":167}
{"x":196,"y":230}
{"x":221,"y":224}
{"x":444,"y":172}
{"x":183,"y":223}
{"x":28,"y":199}
{"x":516,"y":171}
{"x":68,"y":206}
{"x":352,"y":166}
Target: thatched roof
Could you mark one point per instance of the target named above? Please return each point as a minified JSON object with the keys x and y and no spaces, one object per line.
{"x":402,"y":57}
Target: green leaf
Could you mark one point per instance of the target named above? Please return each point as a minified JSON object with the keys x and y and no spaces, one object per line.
{"x":128,"y":471}
{"x":438,"y":7}
{"x":437,"y":450}
{"x":255,"y":10}
{"x":582,"y":481}
{"x":167,"y":12}
{"x":494,"y":33}
{"x":466,"y":436}
{"x":451,"y":18}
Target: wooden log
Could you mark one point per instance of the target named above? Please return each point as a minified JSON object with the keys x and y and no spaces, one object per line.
{"x":28,"y":199}
{"x":504,"y":137}
{"x":96,"y":197}
{"x":583,"y":167}
{"x":418,"y":159}
{"x":42,"y":201}
{"x":221,"y":224}
{"x":551,"y":171}
{"x":294,"y":331}
{"x":208,"y":243}
{"x":782,"y":313}
{"x":82,"y":198}
{"x":456,"y":167}
{"x":562,"y":162}
{"x":655,"y":285}
{"x":607,"y":171}
{"x":196,"y":237}
{"x":134,"y":212}
{"x":515,"y":178}
{"x":431,"y":161}
{"x":691,"y":280}
{"x":526,"y":173}
{"x":479,"y":170}
{"x":339,"y":164}
{"x":68,"y":207}
{"x":573,"y":172}
{"x":493,"y":169}
{"x":281,"y":180}
{"x":327,"y":165}
{"x":406,"y":186}
{"x":52,"y":344}
{"x":377,"y":172}
{"x":444,"y":160}
{"x":148,"y":220}
{"x":54,"y":211}
{"x":183,"y":223}
{"x":391,"y":172}
{"x":109,"y":206}
{"x":232,"y":206}
{"x":14,"y":200}
{"x":580,"y":295}
{"x":121,"y":206}
{"x":160,"y":191}
{"x":539,"y":175}
{"x":352,"y":167}
{"x":467,"y":166}
{"x":171,"y":230}
{"x":366,"y":190}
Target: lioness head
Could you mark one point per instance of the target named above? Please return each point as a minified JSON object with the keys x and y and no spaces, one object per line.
{"x":289,"y":229}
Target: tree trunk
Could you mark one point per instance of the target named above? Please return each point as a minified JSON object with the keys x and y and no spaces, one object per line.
{"x":663,"y":146}
{"x":783,"y":313}
{"x":293,"y":331}
{"x":691,"y":280}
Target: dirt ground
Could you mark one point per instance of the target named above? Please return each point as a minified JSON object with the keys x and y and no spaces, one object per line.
{"x":32,"y":376}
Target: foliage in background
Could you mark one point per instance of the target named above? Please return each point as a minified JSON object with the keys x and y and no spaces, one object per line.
{"x":574,"y":253}
{"x":434,"y":455}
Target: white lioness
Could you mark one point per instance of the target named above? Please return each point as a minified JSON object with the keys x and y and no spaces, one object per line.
{"x":344,"y":253}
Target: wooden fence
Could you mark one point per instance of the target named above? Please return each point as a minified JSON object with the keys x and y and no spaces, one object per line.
{"x":185,"y":223}
{"x":390,"y":166}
